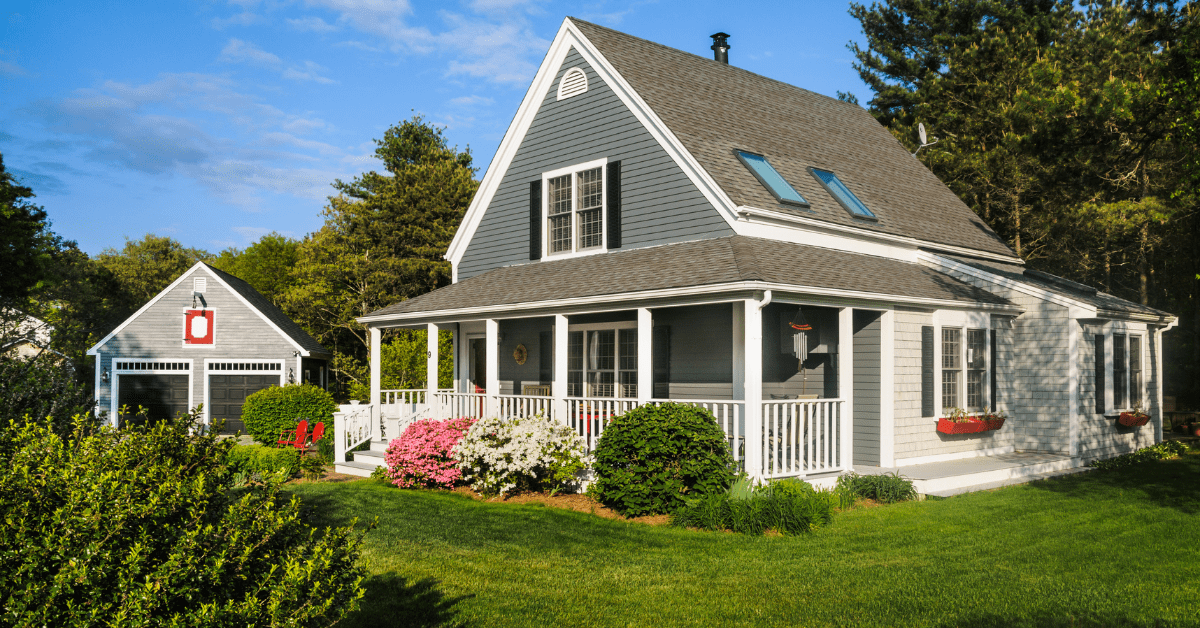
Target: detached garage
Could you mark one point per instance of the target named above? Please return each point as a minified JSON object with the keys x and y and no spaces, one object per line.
{"x":208,"y":340}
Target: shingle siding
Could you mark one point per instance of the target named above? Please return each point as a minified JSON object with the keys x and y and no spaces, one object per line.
{"x":1099,"y":435}
{"x":659,"y":203}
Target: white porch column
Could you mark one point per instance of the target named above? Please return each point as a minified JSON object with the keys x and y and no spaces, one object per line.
{"x":887,"y":389}
{"x":558,"y":387}
{"x":1074,"y":414}
{"x":645,"y":355}
{"x":1156,"y":336}
{"x":492,"y":335}
{"x":455,"y":335}
{"x":752,"y":386}
{"x":845,"y":374}
{"x":431,"y":361}
{"x":376,"y":365}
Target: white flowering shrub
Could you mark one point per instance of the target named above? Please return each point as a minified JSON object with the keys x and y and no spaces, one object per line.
{"x":531,"y":453}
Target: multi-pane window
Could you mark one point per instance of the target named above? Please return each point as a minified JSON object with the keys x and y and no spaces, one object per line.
{"x":1135,"y":371}
{"x":575,"y":211}
{"x":951,"y":367}
{"x":628,"y":362}
{"x":602,"y":363}
{"x":976,"y":368}
{"x":1120,"y":372}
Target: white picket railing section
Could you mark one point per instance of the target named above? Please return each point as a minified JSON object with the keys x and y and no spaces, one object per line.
{"x":802,"y":437}
{"x":353,"y":425}
{"x":799,"y":437}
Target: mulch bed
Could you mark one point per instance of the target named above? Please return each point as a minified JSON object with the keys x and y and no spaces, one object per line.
{"x":576,"y":501}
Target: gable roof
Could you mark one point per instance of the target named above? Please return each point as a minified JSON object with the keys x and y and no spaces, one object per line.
{"x":267,"y":311}
{"x":714,"y":109}
{"x":732,"y":262}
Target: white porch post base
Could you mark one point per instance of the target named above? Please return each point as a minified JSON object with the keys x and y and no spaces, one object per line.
{"x":752,"y":384}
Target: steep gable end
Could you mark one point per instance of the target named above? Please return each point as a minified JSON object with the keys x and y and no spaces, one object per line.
{"x":584,"y":121}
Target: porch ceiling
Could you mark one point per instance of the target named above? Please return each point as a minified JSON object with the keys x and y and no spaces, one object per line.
{"x":739,"y":262}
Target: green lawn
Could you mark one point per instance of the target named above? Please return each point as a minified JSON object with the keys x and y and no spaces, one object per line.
{"x":1117,"y":548}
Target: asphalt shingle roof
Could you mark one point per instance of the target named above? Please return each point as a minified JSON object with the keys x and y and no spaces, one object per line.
{"x":1100,"y":300}
{"x":272,"y":312}
{"x":715,"y":109}
{"x":702,"y":262}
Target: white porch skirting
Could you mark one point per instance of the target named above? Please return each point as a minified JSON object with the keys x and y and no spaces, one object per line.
{"x":798,"y":437}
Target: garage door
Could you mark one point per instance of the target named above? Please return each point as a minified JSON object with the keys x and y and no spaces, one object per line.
{"x":164,"y":396}
{"x":227,"y":393}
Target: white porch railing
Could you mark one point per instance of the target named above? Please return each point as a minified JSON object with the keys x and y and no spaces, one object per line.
{"x":799,"y":437}
{"x":802,"y":437}
{"x":353,"y":425}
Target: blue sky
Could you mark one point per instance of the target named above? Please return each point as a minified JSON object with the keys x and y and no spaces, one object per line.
{"x":216,"y":122}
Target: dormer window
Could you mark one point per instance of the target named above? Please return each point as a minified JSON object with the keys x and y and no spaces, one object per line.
{"x":771,"y":179}
{"x":574,"y":209}
{"x":844,"y":196}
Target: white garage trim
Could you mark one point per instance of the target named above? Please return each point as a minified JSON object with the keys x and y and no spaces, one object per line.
{"x":147,"y":366}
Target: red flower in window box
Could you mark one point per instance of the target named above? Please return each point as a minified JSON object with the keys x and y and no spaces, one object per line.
{"x":1137,"y":418}
{"x":962,"y":423}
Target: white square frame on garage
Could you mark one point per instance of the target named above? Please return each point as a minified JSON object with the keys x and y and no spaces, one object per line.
{"x":152,"y":368}
{"x":282,"y":362}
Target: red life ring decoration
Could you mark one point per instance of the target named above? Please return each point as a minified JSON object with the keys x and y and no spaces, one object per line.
{"x":199,"y":327}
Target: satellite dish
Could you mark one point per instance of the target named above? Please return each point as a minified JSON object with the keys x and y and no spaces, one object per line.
{"x":921,"y":131}
{"x":924,"y":139}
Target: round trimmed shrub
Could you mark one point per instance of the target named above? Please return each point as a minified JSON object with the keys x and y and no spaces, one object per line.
{"x":652,"y":458}
{"x":269,"y":411}
{"x":422,"y":456}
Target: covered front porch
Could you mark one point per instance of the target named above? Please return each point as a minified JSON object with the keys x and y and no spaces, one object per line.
{"x":797,"y":384}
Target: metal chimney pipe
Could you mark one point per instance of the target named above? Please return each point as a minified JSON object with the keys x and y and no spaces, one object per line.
{"x":720,"y":47}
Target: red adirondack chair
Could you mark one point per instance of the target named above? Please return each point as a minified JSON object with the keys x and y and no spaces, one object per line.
{"x":317,"y":434}
{"x":296,"y":437}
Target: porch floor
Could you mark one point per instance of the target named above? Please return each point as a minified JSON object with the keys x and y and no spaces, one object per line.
{"x":953,"y":477}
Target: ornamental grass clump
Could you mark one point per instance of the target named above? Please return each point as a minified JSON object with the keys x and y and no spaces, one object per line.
{"x":788,"y":507}
{"x":524,"y":454}
{"x":422,"y":457}
{"x":654,"y":458}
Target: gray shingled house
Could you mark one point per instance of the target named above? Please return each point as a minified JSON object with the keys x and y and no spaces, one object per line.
{"x":662,"y":226}
{"x":209,"y":338}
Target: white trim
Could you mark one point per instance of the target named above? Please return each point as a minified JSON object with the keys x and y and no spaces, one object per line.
{"x":96,"y":389}
{"x":964,"y":321}
{"x":185,"y":275}
{"x":575,"y":91}
{"x":1129,"y":329}
{"x":714,"y":289}
{"x":962,"y":455}
{"x":574,"y":171}
{"x":115,"y":377}
{"x":569,"y":36}
{"x":1074,"y":416}
{"x":1045,"y":295}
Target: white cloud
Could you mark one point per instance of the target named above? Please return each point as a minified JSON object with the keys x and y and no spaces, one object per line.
{"x":11,"y":69}
{"x":245,"y":18}
{"x":311,"y":24}
{"x":471,"y":101}
{"x":309,"y":72}
{"x":238,"y":51}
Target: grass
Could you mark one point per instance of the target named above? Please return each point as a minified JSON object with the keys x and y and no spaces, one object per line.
{"x":1104,"y":548}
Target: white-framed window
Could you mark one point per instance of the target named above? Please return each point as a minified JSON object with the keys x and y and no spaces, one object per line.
{"x":1119,"y":362}
{"x":964,"y":363}
{"x":574,"y":202}
{"x":602,"y":360}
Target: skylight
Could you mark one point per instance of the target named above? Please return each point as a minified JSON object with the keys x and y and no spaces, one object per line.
{"x":842,"y":193}
{"x":772,"y":180}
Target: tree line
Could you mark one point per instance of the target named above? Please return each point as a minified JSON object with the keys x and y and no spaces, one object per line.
{"x":1073,"y":129}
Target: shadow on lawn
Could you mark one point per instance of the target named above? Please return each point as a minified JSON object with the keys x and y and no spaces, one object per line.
{"x":1046,"y":620}
{"x":393,"y":602}
{"x":1166,"y":483}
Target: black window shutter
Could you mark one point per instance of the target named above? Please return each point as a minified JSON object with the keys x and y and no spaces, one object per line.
{"x":928,"y":390}
{"x":614,"y":204}
{"x":661,"y":362}
{"x":535,"y":219}
{"x":995,"y":370}
{"x":1099,"y":373}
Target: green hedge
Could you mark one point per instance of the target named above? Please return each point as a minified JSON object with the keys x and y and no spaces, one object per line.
{"x":261,"y":459}
{"x":652,"y":458}
{"x":269,"y":411}
{"x":1165,"y":450}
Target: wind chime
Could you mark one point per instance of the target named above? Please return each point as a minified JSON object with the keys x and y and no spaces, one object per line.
{"x":800,"y":345}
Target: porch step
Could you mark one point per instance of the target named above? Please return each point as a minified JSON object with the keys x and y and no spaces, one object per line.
{"x":354,"y":467}
{"x":954,"y":477}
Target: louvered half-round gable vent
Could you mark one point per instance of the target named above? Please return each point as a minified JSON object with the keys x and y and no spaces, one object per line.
{"x":573,"y":83}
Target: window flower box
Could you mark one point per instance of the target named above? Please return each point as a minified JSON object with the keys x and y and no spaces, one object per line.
{"x":962,"y":423}
{"x":1137,"y":418}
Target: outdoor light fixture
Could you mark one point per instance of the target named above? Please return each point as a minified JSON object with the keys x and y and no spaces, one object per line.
{"x":291,"y":376}
{"x":199,"y":296}
{"x":799,"y":323}
{"x":104,"y":376}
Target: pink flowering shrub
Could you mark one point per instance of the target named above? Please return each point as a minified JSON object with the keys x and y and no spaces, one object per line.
{"x":421,"y":457}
